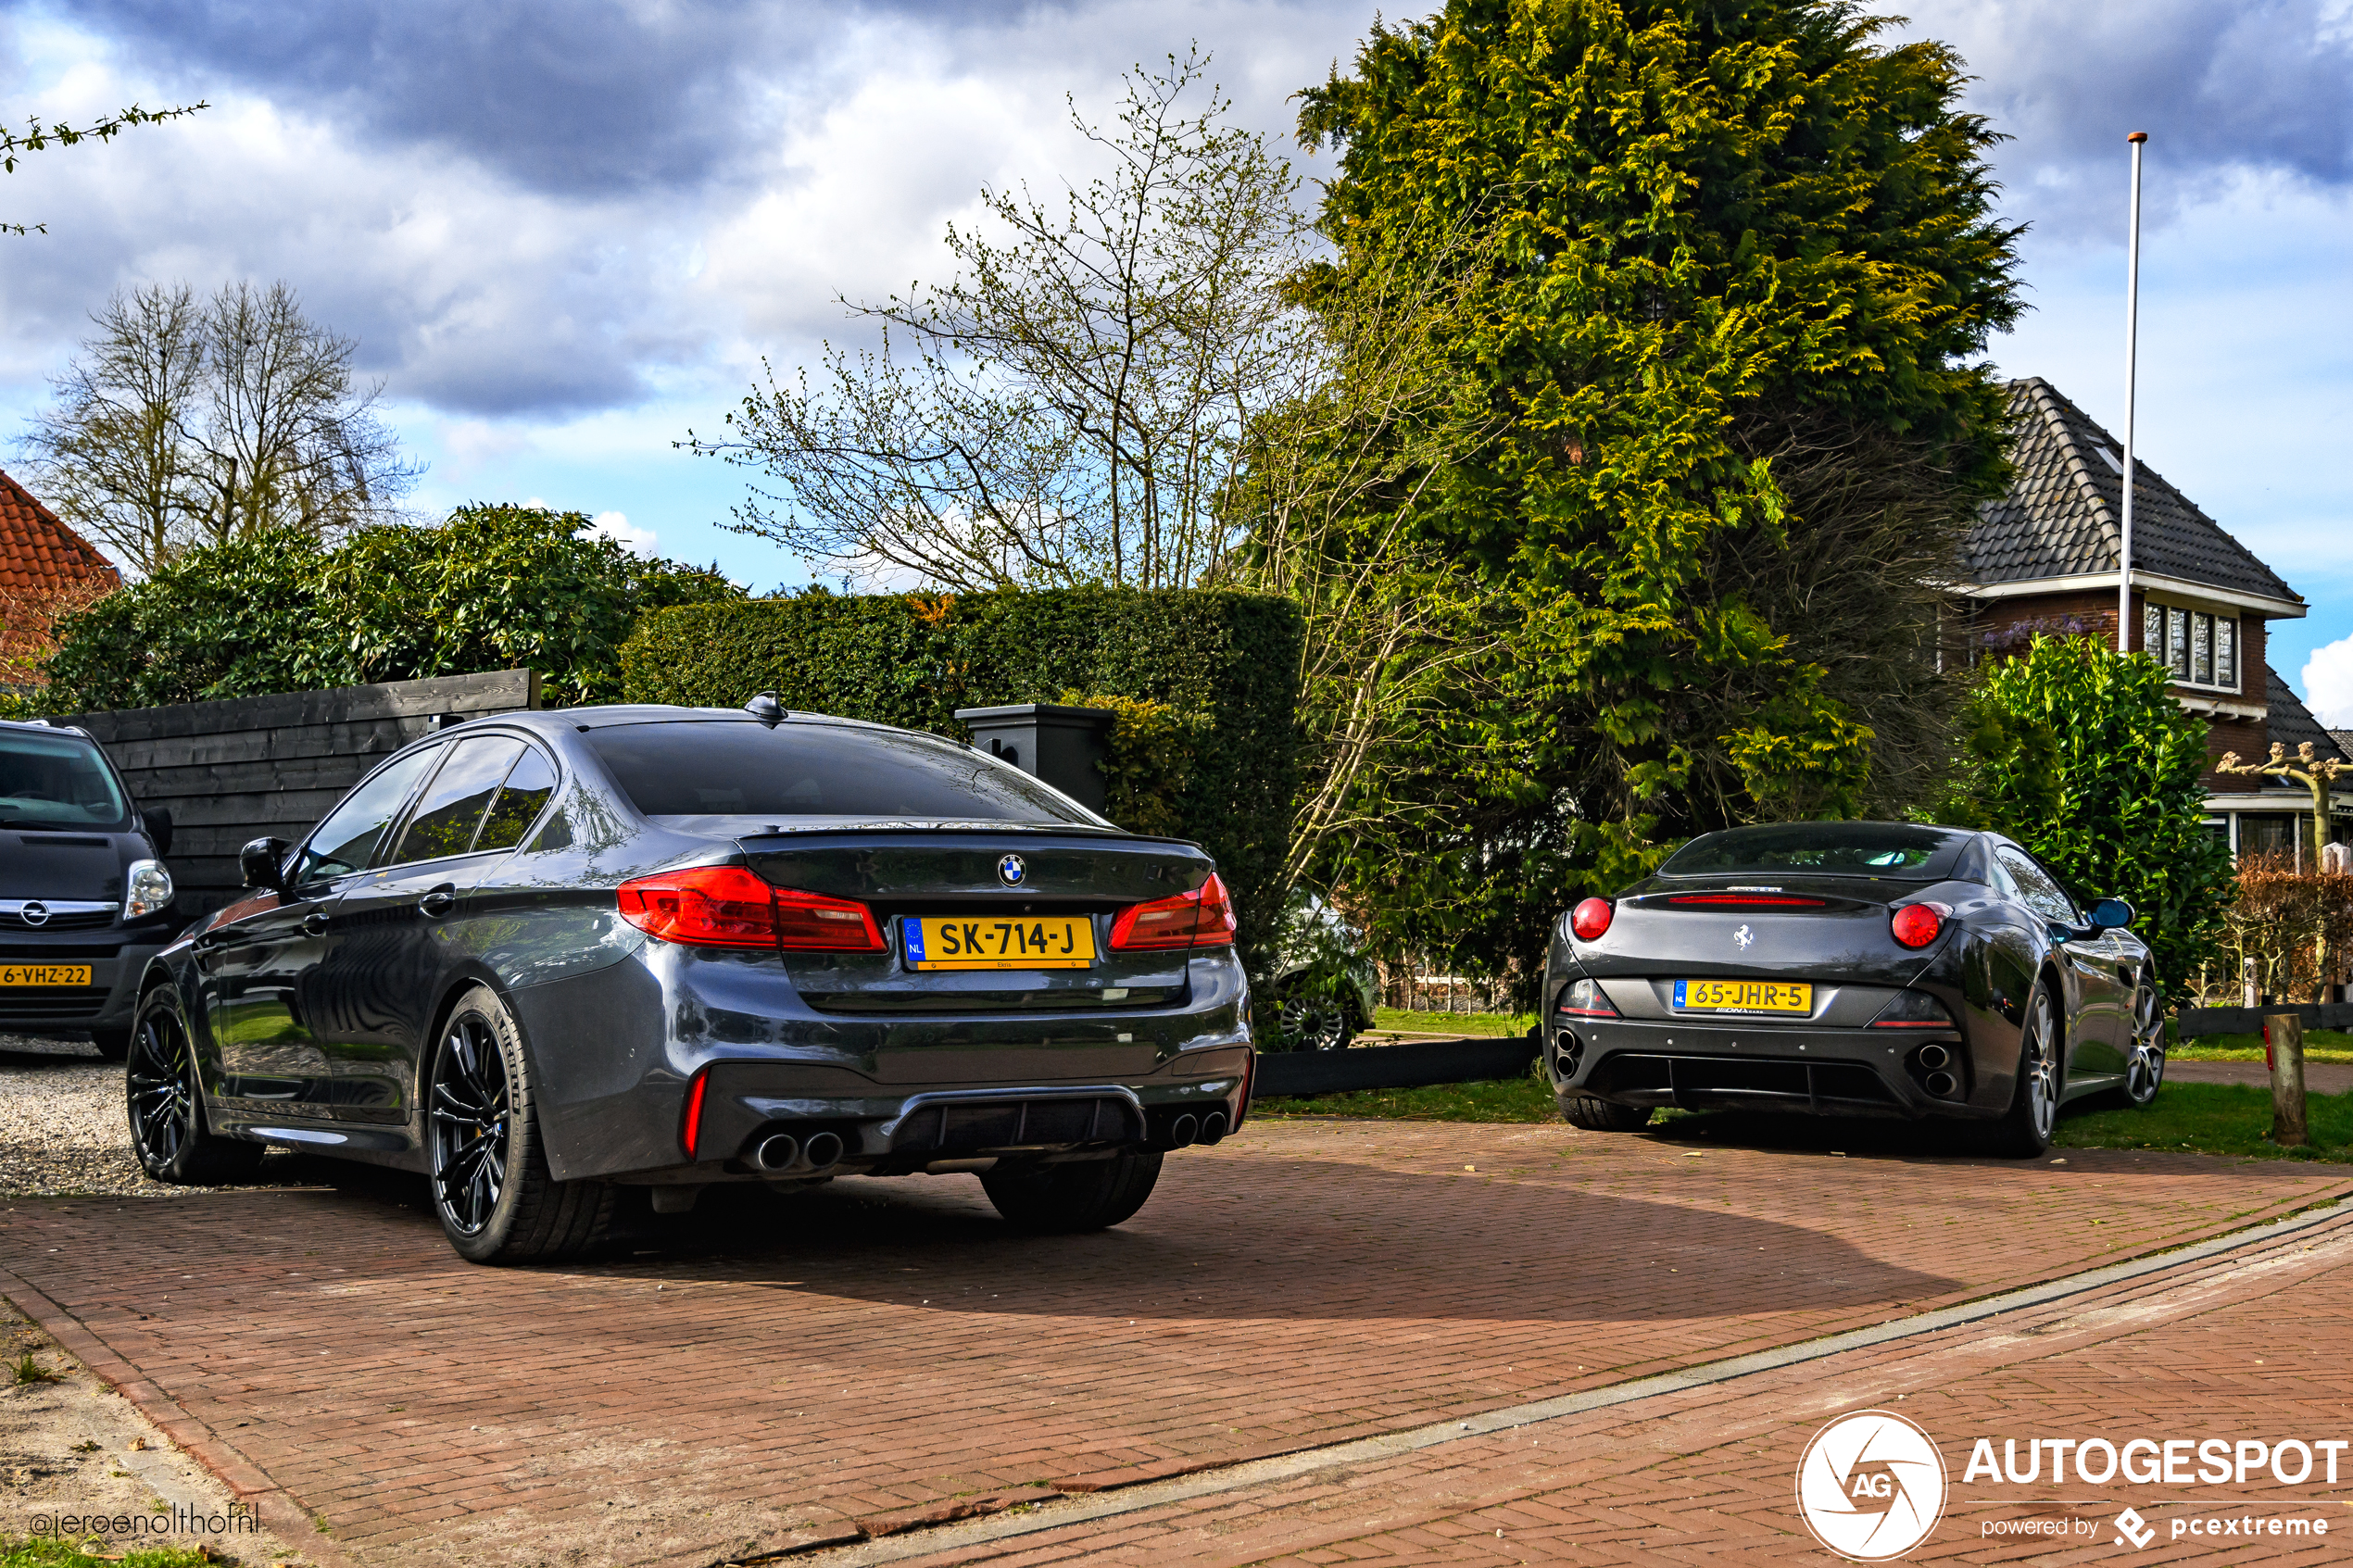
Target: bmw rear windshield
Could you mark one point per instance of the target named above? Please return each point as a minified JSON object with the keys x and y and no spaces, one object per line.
{"x":741,"y":768}
{"x":1905,"y":851}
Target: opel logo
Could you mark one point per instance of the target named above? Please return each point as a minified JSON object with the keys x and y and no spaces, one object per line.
{"x":1742,"y":937}
{"x":35,"y":912}
{"x":1011,"y":870}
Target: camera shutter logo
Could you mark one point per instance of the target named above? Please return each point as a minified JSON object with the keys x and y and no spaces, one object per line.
{"x":1870,"y":1486}
{"x":1011,"y":870}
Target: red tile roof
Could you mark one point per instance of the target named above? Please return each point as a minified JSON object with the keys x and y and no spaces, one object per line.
{"x":39,"y":552}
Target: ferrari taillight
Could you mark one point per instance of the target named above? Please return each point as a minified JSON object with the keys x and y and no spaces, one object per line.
{"x":1591,"y":917}
{"x":730,"y":907}
{"x":1584,"y":998}
{"x":1916,"y":926}
{"x":1203,"y":918}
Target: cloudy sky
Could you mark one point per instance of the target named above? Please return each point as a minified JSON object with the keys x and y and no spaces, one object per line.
{"x":565,"y":233}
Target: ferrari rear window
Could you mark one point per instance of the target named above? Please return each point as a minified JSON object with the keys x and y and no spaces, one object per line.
{"x":721,"y":768}
{"x":1902,"y":850}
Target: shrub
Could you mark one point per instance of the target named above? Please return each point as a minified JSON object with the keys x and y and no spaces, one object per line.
{"x":495,"y":587}
{"x":2297,"y":925}
{"x":2083,"y":754}
{"x":1206,"y":745}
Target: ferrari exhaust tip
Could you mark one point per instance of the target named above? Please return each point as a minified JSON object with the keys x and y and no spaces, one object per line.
{"x":1940,"y":1083}
{"x":1213,"y":1126}
{"x":1935,"y":1056}
{"x":822,"y":1149}
{"x":775,"y":1152}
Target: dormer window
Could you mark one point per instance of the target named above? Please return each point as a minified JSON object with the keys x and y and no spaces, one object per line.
{"x":2200,"y":649}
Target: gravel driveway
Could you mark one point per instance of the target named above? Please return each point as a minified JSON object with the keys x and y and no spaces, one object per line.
{"x":62,"y":1129}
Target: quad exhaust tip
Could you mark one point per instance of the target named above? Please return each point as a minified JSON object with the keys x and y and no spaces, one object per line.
{"x":777,"y":1152}
{"x":820,"y":1150}
{"x":1940,"y":1083}
{"x":1213,"y":1126}
{"x":1935,"y":1056}
{"x":1183,"y":1130}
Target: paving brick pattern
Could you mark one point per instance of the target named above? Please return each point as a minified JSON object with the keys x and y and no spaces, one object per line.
{"x":773,"y":1372}
{"x":2249,"y":1346}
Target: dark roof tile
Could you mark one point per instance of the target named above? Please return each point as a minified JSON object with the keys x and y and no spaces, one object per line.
{"x":2291,"y":722}
{"x":2061,"y":516}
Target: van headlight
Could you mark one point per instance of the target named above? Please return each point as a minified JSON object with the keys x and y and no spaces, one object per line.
{"x":150,"y":892}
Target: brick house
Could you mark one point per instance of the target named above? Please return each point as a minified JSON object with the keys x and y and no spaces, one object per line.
{"x":2043,"y":558}
{"x":46,"y":570}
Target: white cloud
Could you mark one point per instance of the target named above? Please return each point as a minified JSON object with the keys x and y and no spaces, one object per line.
{"x":617,"y":527}
{"x":2328,"y":683}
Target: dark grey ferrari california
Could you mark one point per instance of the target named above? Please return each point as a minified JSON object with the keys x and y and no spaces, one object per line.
{"x":1860,"y":969}
{"x":545,"y":958}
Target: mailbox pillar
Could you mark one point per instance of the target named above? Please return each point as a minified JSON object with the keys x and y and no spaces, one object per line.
{"x":1063,"y":745}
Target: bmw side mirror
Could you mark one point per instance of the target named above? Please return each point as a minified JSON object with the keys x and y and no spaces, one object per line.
{"x":2111,"y":915}
{"x":158,"y":825}
{"x":260,"y":861}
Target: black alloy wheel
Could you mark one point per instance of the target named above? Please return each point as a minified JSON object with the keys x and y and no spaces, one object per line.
{"x":473,"y":1119}
{"x":2024,"y":1130}
{"x":163,"y":1095}
{"x":496,"y":1198}
{"x":2145,"y":1053}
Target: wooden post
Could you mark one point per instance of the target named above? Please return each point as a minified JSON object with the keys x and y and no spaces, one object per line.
{"x":2254,"y":987}
{"x":2284,"y":1032}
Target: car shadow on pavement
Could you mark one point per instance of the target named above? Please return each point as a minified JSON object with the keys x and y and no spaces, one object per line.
{"x":1936,"y":1138}
{"x":1373,"y":1244}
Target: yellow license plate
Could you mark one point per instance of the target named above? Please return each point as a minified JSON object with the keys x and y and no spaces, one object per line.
{"x":1745,"y":996}
{"x":45,"y":975}
{"x":1063,"y":942}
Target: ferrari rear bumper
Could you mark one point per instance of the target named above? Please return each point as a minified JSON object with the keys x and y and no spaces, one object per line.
{"x":1821,"y":1072}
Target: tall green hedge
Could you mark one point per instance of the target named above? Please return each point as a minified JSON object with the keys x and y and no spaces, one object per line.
{"x":1230,"y":659}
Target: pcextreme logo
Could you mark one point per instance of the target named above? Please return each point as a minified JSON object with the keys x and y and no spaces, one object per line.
{"x":1870,"y":1486}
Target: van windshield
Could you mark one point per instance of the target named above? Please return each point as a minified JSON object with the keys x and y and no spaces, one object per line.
{"x":56,"y":780}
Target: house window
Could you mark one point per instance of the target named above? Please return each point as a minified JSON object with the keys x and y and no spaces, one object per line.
{"x":2200,"y":649}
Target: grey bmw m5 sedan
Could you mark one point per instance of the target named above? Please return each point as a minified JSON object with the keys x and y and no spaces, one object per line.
{"x":545,"y":959}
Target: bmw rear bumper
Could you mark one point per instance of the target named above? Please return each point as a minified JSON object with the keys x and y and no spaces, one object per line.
{"x":620,"y":1054}
{"x":1764,"y":1067}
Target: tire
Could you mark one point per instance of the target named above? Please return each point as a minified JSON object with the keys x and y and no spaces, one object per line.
{"x":1603,"y":1115}
{"x":1090,"y":1195}
{"x":2145,"y":1052}
{"x":1319,"y":1026}
{"x":492,"y":1190}
{"x":163,"y":1095}
{"x":114,"y":1044}
{"x":2024,"y":1130}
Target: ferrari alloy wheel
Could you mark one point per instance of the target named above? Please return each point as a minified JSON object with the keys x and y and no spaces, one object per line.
{"x":2145,"y":1058}
{"x":164,"y":1096}
{"x":496,"y":1199}
{"x":2025,"y":1130}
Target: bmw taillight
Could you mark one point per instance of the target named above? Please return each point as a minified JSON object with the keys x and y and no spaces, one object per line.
{"x":1203,"y":918}
{"x":1584,"y":998}
{"x":1916,"y":926}
{"x":730,"y":907}
{"x":1591,"y":917}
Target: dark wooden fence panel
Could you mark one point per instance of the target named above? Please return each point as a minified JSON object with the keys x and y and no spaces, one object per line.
{"x":271,"y":766}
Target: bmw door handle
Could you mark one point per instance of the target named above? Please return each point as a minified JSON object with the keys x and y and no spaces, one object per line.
{"x":440,"y":901}
{"x":315,"y":923}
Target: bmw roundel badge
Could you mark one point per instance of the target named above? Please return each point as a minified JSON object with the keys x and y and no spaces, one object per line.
{"x":1011,"y":870}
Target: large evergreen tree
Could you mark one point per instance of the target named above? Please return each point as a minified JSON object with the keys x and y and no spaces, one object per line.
{"x":1735,"y":260}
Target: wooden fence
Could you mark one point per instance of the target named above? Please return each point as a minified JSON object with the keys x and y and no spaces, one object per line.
{"x":257,"y":767}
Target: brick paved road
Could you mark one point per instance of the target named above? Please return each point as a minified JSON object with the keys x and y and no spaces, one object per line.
{"x":2250,"y":1346}
{"x":774,"y":1373}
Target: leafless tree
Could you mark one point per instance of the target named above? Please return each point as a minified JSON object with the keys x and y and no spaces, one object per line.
{"x":184,"y":422}
{"x":1072,"y":407}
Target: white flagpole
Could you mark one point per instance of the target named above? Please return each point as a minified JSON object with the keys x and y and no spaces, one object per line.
{"x":2132,"y":368}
